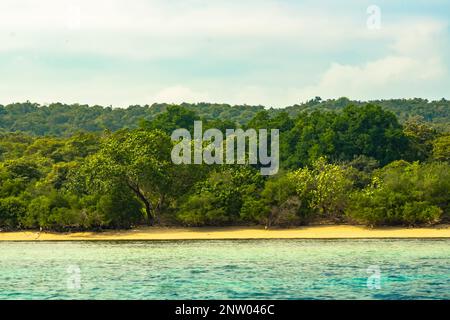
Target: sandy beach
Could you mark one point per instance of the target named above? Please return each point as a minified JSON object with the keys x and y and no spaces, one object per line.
{"x":309,"y":232}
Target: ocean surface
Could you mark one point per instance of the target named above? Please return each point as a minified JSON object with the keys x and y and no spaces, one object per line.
{"x":250,"y":269}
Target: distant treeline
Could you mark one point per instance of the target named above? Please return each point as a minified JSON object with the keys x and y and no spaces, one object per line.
{"x":78,"y":167}
{"x":64,"y":120}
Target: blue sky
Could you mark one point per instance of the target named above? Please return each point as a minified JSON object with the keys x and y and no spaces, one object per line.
{"x":270,"y":52}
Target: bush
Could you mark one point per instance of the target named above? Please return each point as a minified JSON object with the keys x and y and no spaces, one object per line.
{"x":220,"y":198}
{"x":254,"y":210}
{"x":201,"y":210}
{"x":421,"y":212}
{"x":38,"y":212}
{"x":323,"y":189}
{"x":64,"y":218}
{"x":12,"y":209}
{"x":277,"y":204}
{"x":288,"y":213}
{"x":54,"y":210}
{"x":403,"y":193}
{"x":119,"y":209}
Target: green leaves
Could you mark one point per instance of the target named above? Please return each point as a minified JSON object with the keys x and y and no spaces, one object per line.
{"x":219,"y":198}
{"x":124,"y":176}
{"x":323,"y":189}
{"x":367,"y":130}
{"x":12,"y":210}
{"x":441,"y":148}
{"x":404,"y":193}
{"x":138,"y":160}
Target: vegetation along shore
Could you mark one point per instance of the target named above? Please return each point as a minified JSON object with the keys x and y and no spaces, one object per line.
{"x":75,"y":168}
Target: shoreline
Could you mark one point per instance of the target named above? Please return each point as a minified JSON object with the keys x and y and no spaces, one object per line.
{"x":236,"y":233}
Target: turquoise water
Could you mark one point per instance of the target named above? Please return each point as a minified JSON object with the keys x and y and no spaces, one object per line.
{"x":259,"y":269}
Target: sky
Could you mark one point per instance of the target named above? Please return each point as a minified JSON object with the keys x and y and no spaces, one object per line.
{"x":257,"y":52}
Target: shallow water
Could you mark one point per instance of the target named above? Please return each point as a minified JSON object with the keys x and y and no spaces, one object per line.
{"x":250,"y":269}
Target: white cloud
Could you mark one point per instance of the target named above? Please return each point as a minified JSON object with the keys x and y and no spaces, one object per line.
{"x":179,"y":94}
{"x":414,"y":64}
{"x":147,"y":29}
{"x":267,"y":52}
{"x":392,"y":76}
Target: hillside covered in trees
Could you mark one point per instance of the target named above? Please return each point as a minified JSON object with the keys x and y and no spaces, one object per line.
{"x":78,"y":167}
{"x":64,"y":120}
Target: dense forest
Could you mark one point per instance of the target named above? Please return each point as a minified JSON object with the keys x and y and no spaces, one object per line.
{"x":64,"y":120}
{"x":73,"y":167}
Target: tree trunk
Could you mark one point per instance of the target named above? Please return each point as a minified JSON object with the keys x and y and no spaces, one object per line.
{"x":158,"y":208}
{"x":148,"y":205}
{"x":148,"y":210}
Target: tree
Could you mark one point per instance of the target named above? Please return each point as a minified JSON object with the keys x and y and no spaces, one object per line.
{"x":219,"y":198}
{"x":203,"y":209}
{"x":323,"y":189}
{"x":369,"y":131}
{"x":276,"y":204}
{"x":23,"y":169}
{"x":119,"y":208}
{"x":175,"y":117}
{"x":403,"y":193}
{"x":12,"y":209}
{"x":137,"y":159}
{"x":80,"y":166}
{"x":441,"y":148}
{"x":421,"y":136}
{"x":63,"y":120}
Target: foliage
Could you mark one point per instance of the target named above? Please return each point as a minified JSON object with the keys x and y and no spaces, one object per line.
{"x":137,"y":160}
{"x":441,"y":148}
{"x":12,"y":209}
{"x":277,"y":204}
{"x":322,"y":189}
{"x":77,"y":167}
{"x":58,"y":119}
{"x":220,"y":197}
{"x":119,"y":209}
{"x":404,"y":193}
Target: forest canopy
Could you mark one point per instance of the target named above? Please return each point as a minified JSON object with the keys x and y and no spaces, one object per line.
{"x":74,"y":167}
{"x":64,"y":120}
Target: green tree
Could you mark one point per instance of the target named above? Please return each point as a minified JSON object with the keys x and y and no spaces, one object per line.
{"x":175,"y":117}
{"x":324,"y":188}
{"x":441,"y":148}
{"x":12,"y":209}
{"x":421,"y":136}
{"x":403,"y":193}
{"x":222,"y":195}
{"x":119,"y":208}
{"x":278,"y":204}
{"x":137,"y":159}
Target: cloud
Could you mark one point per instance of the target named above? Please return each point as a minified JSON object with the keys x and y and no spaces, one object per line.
{"x":413,"y":64}
{"x":271,"y":52}
{"x":389,"y":77}
{"x":179,"y":94}
{"x":154,"y":29}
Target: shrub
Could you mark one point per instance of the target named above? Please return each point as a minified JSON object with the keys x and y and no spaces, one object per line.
{"x":119,"y":209}
{"x":323,"y":189}
{"x":12,"y":209}
{"x":403,"y":193}
{"x":201,"y":210}
{"x":38,"y":212}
